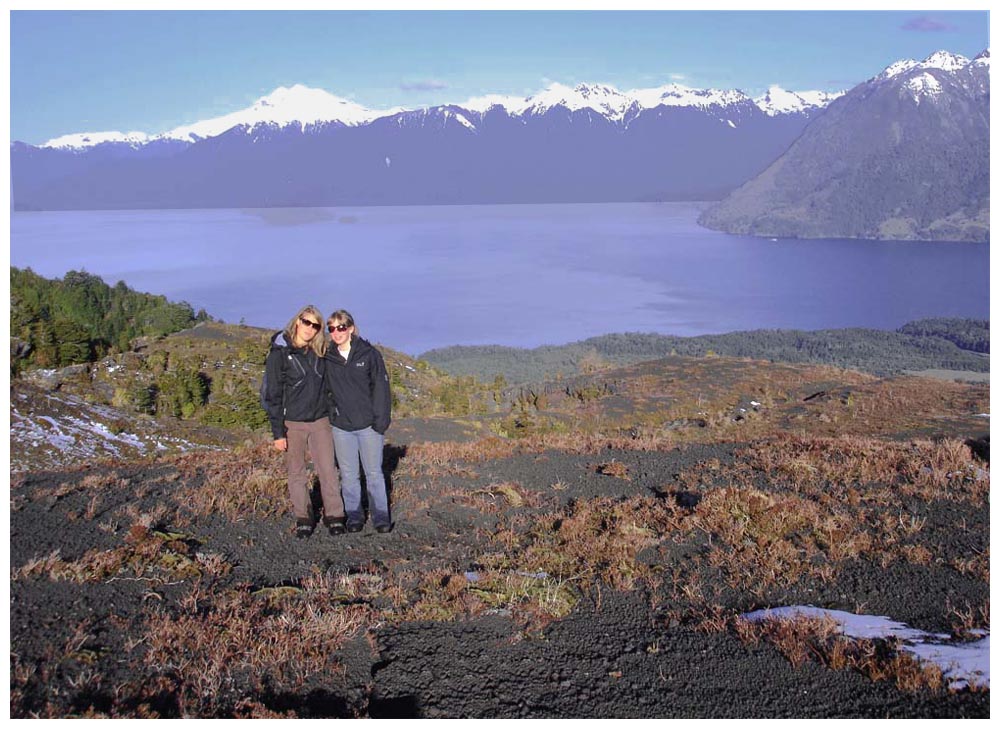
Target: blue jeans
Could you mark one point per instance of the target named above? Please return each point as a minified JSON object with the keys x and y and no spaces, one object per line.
{"x":364,"y":445}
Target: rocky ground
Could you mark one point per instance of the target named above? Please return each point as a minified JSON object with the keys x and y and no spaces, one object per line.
{"x":589,"y":581}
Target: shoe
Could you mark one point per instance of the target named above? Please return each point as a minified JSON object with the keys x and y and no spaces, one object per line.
{"x":383,"y":528}
{"x":303,"y":531}
{"x":354,"y":527}
{"x":335,"y":527}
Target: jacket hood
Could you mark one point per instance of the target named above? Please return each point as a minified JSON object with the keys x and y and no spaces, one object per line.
{"x":279,"y":341}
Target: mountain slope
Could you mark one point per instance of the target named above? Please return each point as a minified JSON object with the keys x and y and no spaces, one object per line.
{"x":904,"y":156}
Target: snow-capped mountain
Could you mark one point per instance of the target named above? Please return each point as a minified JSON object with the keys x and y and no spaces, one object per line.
{"x":607,"y":101}
{"x":904,"y":156}
{"x":298,"y":105}
{"x":302,"y":106}
{"x":778,"y":101}
{"x":589,"y":143}
{"x":941,"y":60}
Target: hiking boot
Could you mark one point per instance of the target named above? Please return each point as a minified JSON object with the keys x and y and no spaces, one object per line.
{"x":335,"y":527}
{"x":354,"y":527}
{"x":383,"y":528}
{"x":303,"y":531}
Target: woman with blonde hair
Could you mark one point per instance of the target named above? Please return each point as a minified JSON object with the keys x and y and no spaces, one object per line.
{"x":294,"y":397}
{"x":357,"y":379}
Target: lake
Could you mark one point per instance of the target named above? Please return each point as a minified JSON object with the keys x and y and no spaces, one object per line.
{"x":416,"y":278}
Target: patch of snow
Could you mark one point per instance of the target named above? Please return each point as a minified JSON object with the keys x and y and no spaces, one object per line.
{"x":83,"y":140}
{"x":923,"y":85}
{"x":961,"y":662}
{"x":465,"y":122}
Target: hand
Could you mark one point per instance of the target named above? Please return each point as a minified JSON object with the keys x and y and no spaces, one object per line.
{"x":281,"y":444}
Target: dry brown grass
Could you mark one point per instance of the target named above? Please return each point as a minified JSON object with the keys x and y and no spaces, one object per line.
{"x":593,"y":541}
{"x":772,"y":539}
{"x":805,"y":639}
{"x":614,"y":468}
{"x":833,"y":500}
{"x":146,"y":555}
{"x":929,"y":470}
{"x":248,"y":481}
{"x":424,"y":455}
{"x":966,"y":620}
{"x":274,"y":642}
{"x":976,"y":565}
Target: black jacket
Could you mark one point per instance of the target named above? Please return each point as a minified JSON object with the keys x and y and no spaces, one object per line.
{"x":293,"y":386}
{"x":359,"y":387}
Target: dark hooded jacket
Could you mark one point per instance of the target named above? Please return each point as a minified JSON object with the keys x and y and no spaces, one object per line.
{"x":359,"y":387}
{"x":293,"y":385}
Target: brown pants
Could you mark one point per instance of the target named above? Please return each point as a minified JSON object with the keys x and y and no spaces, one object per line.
{"x":317,"y":438}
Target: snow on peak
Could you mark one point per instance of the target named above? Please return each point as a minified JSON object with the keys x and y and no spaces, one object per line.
{"x":945,"y":61}
{"x":983,"y":59}
{"x":941,"y":60}
{"x":779,"y":101}
{"x":92,"y":139}
{"x":613,"y":104}
{"x":298,"y":104}
{"x":679,"y":95}
{"x":605,"y":100}
{"x":897,"y":68}
{"x":482,"y":104}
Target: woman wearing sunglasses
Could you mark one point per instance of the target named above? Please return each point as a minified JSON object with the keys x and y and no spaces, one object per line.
{"x":357,"y":380}
{"x":295,"y":399}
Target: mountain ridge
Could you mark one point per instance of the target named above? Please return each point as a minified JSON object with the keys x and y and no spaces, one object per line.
{"x":903,"y":156}
{"x":305,"y":106}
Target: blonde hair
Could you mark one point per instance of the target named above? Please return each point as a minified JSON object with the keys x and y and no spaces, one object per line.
{"x":320,"y":342}
{"x":342,"y":316}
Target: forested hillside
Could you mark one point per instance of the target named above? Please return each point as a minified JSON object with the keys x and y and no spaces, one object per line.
{"x":925,"y":344}
{"x":79,"y":318}
{"x":971,"y":334}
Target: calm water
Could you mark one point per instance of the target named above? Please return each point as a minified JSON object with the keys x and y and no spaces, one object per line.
{"x":416,"y":278}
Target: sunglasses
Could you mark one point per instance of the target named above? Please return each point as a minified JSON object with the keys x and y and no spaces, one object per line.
{"x":339,"y":327}
{"x":312,"y":324}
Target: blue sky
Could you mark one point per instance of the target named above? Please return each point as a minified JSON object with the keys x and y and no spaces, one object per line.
{"x":150,"y":71}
